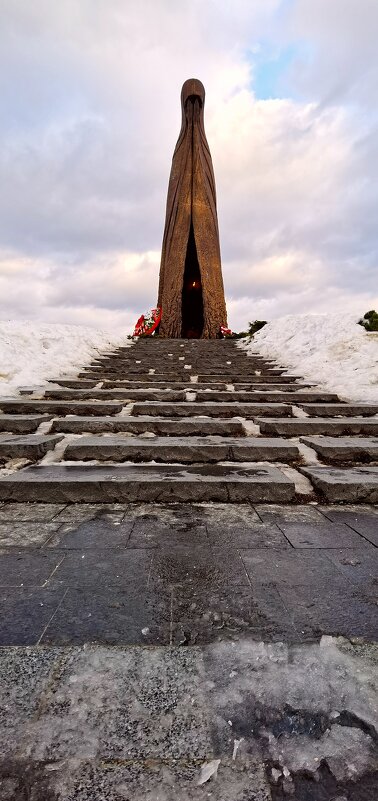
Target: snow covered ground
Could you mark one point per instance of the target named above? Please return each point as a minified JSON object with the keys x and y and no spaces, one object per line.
{"x":329,"y":349}
{"x":31,"y":353}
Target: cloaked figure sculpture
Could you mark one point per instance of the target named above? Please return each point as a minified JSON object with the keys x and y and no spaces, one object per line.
{"x":191,"y":293}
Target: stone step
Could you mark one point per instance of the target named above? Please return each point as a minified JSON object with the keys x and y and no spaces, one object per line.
{"x":179,"y":366}
{"x":269,"y":396}
{"x":74,"y":383}
{"x":198,"y":386}
{"x":168,"y":396}
{"x":339,"y":409}
{"x":246,"y":410}
{"x":102,"y":375}
{"x":179,"y":427}
{"x":146,"y":483}
{"x":337,"y":426}
{"x":185,"y":450}
{"x":123,"y":395}
{"x":339,"y":450}
{"x":260,"y":383}
{"x":351,"y":485}
{"x":184,"y":376}
{"x":17,"y":405}
{"x":154,"y":385}
{"x":237,"y":378}
{"x":165,"y":364}
{"x":22,"y":424}
{"x":32,"y":446}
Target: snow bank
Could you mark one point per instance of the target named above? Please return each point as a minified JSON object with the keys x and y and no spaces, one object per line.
{"x":31,"y":353}
{"x":329,"y":349}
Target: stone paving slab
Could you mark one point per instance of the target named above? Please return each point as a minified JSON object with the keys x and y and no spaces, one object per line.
{"x":276,"y":513}
{"x":340,"y":409}
{"x":241,"y":535}
{"x":179,"y":427}
{"x":31,"y":447}
{"x":23,"y":534}
{"x":111,"y":615}
{"x":26,"y":612}
{"x":105,"y":531}
{"x":345,"y":610}
{"x":95,"y":567}
{"x":28,"y":567}
{"x":364,"y":521}
{"x":22,"y":424}
{"x":15,"y":405}
{"x":247,"y":410}
{"x":345,"y":450}
{"x":186,"y":450}
{"x":32,"y":512}
{"x":57,"y":483}
{"x":337,"y":426}
{"x":350,"y":485}
{"x":104,"y":573}
{"x":324,"y":535}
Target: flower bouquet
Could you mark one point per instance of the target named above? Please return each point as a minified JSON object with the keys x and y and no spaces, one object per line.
{"x":147,"y":324}
{"x":225,"y":332}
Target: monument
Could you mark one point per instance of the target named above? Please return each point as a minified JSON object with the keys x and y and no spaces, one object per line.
{"x":191,"y":294}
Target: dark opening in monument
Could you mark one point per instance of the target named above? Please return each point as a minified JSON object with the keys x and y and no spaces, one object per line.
{"x":192,"y":301}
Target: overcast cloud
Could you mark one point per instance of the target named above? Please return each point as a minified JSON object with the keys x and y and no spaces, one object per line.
{"x":90,"y":116}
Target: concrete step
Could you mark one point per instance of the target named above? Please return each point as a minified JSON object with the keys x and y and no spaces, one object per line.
{"x":344,"y":450}
{"x":247,"y":410}
{"x":337,"y":426}
{"x":22,"y":424}
{"x":256,"y":395}
{"x":32,"y":446}
{"x":339,"y":409}
{"x":179,"y":427}
{"x":123,"y":395}
{"x":17,"y":406}
{"x":352,"y":485}
{"x":146,"y":483}
{"x":185,"y":450}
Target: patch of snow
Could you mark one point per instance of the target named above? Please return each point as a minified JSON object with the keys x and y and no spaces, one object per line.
{"x":330,"y":349}
{"x":31,"y":353}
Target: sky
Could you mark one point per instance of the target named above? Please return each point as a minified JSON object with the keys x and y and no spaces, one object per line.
{"x":90,"y":97}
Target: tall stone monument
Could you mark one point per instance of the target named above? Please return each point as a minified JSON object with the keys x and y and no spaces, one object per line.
{"x":191,"y":293}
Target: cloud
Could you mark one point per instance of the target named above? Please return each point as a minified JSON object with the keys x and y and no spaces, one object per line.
{"x":90,"y":118}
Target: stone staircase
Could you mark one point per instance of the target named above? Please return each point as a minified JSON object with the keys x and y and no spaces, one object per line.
{"x":186,"y":420}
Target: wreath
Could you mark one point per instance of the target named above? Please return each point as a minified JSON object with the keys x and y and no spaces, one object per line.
{"x":147,"y":324}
